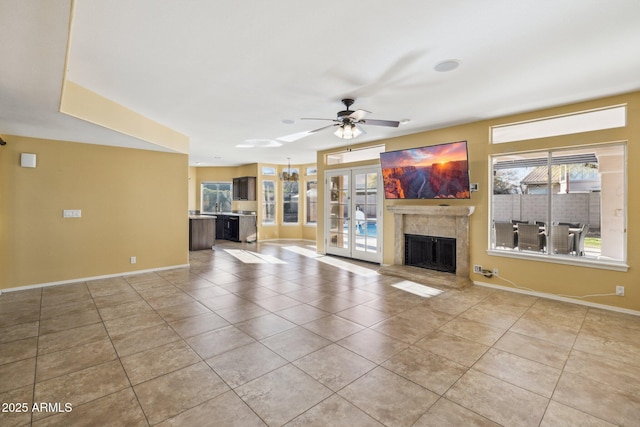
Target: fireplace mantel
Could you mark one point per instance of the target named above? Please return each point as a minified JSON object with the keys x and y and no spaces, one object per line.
{"x":432,"y":210}
{"x":441,"y":221}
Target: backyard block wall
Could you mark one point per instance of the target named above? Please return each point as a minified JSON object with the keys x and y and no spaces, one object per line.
{"x":572,"y":207}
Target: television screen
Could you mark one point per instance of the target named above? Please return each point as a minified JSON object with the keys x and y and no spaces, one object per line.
{"x":433,"y":172}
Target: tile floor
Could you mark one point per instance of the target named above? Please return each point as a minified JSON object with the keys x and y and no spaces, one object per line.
{"x":295,"y":339}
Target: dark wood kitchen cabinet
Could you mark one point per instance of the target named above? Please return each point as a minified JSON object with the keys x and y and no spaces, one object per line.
{"x":244,"y":188}
{"x":237,"y":228}
{"x":202,"y":232}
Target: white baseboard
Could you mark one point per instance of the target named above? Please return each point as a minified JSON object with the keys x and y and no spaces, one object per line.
{"x":86,"y":279}
{"x":558,"y":298}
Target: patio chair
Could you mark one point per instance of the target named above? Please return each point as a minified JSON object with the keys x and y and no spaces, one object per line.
{"x":506,"y":236}
{"x":579,"y":247}
{"x":571,"y":224}
{"x":530,"y":238}
{"x":562,"y":240}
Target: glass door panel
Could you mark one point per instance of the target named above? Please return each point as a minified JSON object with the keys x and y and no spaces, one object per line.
{"x":366,"y":214}
{"x":353,"y":214}
{"x":338,"y":215}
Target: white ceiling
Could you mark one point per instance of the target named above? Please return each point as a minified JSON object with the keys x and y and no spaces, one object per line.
{"x":224,"y":73}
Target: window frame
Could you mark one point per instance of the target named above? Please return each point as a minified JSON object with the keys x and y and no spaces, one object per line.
{"x":202,"y":204}
{"x":284,"y":202}
{"x":264,"y":203}
{"x":560,"y":125}
{"x":308,"y":201}
{"x":617,"y":265}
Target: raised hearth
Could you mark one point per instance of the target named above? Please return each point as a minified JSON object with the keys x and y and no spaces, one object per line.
{"x":441,"y":221}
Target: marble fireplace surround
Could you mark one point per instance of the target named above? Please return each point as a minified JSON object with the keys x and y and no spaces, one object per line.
{"x":439,"y":221}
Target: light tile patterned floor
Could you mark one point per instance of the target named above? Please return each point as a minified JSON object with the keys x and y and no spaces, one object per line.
{"x":309,"y":341}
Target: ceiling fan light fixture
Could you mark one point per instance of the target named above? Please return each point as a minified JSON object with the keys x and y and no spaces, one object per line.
{"x":347,"y":131}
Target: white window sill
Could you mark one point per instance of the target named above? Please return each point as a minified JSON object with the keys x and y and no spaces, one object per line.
{"x":559,"y":259}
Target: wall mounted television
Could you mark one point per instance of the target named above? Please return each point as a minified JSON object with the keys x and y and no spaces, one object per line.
{"x":431,"y":172}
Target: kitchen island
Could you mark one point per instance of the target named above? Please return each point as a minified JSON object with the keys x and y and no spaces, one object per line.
{"x":237,"y":226}
{"x":202,"y":232}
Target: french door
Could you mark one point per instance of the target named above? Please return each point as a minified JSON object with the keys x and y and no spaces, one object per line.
{"x":353,"y":216}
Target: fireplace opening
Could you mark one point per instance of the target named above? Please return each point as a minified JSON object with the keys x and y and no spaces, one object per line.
{"x":431,"y":252}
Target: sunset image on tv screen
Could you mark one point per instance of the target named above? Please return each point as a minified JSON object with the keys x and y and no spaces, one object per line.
{"x":432,"y":172}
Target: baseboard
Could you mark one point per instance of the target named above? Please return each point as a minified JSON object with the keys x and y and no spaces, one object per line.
{"x":86,"y":279}
{"x":275,"y":240}
{"x":559,"y":298}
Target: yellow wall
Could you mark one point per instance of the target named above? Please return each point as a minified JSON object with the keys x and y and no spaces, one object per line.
{"x":538,"y":276}
{"x":194,"y":195}
{"x":225,"y":174}
{"x":133,"y":202}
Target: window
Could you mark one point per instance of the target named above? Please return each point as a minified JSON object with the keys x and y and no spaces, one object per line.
{"x":216,"y":197}
{"x":565,"y":203}
{"x":355,"y":155}
{"x":312,"y":202}
{"x":268,"y":170}
{"x":290,"y":196}
{"x":268,"y":202}
{"x":584,"y":121}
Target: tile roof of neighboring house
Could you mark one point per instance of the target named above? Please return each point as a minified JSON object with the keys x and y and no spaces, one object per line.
{"x":540,"y":175}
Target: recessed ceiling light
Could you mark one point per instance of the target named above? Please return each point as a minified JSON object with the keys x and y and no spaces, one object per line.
{"x":448,"y":65}
{"x":287,"y":121}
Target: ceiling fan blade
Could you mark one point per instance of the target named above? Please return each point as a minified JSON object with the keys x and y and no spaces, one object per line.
{"x":364,"y":132}
{"x":389,"y":123}
{"x":299,"y":135}
{"x":359,"y":115}
{"x":323,"y":127}
{"x":313,"y":118}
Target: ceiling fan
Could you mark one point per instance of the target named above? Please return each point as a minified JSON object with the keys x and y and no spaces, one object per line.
{"x":348,"y":123}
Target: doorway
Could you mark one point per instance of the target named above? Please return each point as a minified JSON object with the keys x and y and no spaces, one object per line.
{"x":353,"y":217}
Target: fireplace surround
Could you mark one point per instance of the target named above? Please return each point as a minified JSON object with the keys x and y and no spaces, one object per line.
{"x":438,"y":221}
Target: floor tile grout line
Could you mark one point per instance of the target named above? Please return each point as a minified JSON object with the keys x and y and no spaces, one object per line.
{"x":35,"y":368}
{"x":120,"y":360}
{"x":529,"y":309}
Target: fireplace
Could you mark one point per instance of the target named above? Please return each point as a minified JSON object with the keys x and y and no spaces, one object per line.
{"x":451,"y":222}
{"x":430,"y":252}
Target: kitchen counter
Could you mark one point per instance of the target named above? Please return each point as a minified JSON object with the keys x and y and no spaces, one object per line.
{"x":238,"y":226}
{"x":243,"y":213}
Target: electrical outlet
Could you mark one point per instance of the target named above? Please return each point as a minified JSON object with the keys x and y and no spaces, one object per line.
{"x":477,"y":268}
{"x":495,"y":272}
{"x":133,"y":260}
{"x":620,"y":291}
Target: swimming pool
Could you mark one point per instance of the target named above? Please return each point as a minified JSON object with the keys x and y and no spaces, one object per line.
{"x":368,"y":229}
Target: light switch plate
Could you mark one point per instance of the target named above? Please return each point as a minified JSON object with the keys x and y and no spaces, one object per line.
{"x":72,"y":213}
